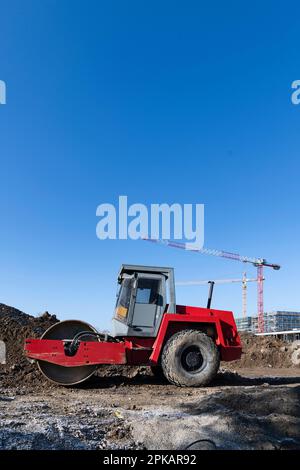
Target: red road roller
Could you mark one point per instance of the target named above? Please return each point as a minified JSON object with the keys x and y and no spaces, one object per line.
{"x":184,"y":344}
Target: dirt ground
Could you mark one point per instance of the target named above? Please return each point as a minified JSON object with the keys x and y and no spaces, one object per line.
{"x":253,"y":404}
{"x":249,"y":410}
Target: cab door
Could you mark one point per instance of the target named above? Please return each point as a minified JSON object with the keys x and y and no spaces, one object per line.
{"x":149,"y":303}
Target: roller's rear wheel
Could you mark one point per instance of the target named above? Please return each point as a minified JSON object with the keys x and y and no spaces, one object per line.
{"x":66,"y":330}
{"x":190,"y":358}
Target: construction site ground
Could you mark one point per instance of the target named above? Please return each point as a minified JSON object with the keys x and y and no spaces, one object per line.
{"x":254,"y":406}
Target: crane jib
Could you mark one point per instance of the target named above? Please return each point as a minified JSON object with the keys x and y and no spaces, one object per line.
{"x":213,"y":252}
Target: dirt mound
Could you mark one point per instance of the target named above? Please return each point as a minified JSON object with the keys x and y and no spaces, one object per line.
{"x":15,"y":326}
{"x":262,"y":351}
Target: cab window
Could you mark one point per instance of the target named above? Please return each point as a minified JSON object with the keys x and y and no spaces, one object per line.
{"x":123,"y":301}
{"x":148,"y":291}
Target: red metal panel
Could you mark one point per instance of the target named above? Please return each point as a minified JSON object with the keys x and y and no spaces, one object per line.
{"x":89,"y":352}
{"x":230,"y":353}
{"x":227,"y":336}
{"x":138,"y":350}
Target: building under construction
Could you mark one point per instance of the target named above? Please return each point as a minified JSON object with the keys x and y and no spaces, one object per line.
{"x":273,"y":322}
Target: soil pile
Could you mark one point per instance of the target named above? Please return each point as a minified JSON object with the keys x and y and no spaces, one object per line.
{"x":15,"y":326}
{"x":262,"y":351}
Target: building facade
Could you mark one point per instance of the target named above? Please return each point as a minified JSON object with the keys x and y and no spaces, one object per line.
{"x":273,"y":322}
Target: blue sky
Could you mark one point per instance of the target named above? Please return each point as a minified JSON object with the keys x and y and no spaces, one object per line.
{"x":164,"y":101}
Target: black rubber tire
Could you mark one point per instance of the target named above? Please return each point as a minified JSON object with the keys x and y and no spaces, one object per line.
{"x":176,"y":366}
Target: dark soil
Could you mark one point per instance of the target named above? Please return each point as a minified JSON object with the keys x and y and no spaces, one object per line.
{"x":15,"y":326}
{"x":262,"y":351}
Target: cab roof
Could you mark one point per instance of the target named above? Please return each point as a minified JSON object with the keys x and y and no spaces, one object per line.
{"x":133,"y":268}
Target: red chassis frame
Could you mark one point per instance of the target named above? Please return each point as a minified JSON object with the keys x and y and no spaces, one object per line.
{"x":144,"y":351}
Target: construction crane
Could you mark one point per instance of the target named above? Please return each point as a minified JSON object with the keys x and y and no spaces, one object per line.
{"x":244,"y":281}
{"x":259,"y":263}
